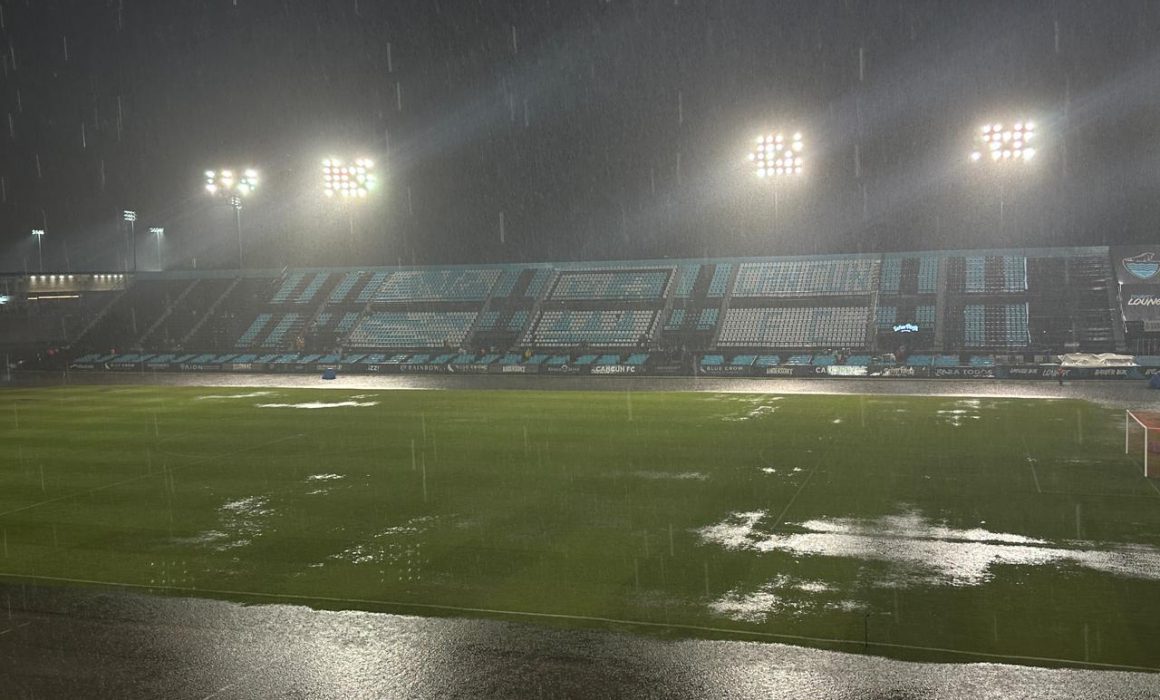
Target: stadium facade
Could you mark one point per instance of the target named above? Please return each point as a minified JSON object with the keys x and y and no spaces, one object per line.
{"x":730,"y":315}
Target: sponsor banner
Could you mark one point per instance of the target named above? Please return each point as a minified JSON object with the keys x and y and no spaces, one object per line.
{"x":1034,"y":372}
{"x":616,"y":369}
{"x":844,"y":370}
{"x":123,"y":365}
{"x":964,"y":372}
{"x":240,"y":367}
{"x":668,"y":369}
{"x":901,"y":372}
{"x":473,"y":368}
{"x":779,"y":371}
{"x":1070,"y":373}
{"x":1137,"y":264}
{"x":1140,"y":302}
{"x":82,"y":365}
{"x":731,"y":370}
{"x":515,"y":369}
{"x":424,"y":368}
{"x":1110,"y":373}
{"x":185,"y":367}
{"x":561,"y":369}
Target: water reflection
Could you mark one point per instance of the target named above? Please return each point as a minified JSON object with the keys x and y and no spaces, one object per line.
{"x":72,"y":643}
{"x":924,"y":552}
{"x":1120,"y":394}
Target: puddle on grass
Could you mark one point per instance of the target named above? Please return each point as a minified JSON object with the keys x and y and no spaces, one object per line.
{"x":759,"y":406}
{"x":240,"y":522}
{"x":772,"y":470}
{"x":923,"y":552}
{"x":320,"y":404}
{"x":779,"y":596}
{"x":251,"y":395}
{"x":674,"y":476}
{"x":323,"y":481}
{"x":395,"y":548}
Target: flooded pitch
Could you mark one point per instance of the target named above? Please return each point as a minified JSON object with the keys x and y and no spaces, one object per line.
{"x":98,"y":642}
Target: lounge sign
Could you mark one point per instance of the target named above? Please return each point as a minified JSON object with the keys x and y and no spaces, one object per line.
{"x":1140,"y":302}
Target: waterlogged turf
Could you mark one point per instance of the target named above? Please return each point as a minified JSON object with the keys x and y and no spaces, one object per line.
{"x":925,"y":526}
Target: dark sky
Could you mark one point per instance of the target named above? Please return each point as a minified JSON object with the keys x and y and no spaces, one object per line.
{"x":590,"y":128}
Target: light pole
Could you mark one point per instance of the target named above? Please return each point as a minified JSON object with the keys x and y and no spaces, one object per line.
{"x":777,"y":157}
{"x":131,"y":216}
{"x":226,"y":183}
{"x":158,"y":232}
{"x":997,"y":145}
{"x":39,"y":233}
{"x":349,"y":183}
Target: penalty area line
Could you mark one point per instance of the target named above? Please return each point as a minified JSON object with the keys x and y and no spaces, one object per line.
{"x":1073,"y":663}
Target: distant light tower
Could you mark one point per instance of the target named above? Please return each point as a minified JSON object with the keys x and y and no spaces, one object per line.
{"x":226,"y":183}
{"x":354,"y":181}
{"x":131,"y":217}
{"x":1000,"y":144}
{"x":349,"y":183}
{"x":158,"y":232}
{"x":777,"y":155}
{"x":39,"y":233}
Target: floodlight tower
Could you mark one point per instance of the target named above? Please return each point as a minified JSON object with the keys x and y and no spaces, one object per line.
{"x":349,"y":184}
{"x":234,"y":187}
{"x":1001,"y":146}
{"x":777,"y":157}
{"x":130,"y":217}
{"x":39,"y":234}
{"x":158,"y":232}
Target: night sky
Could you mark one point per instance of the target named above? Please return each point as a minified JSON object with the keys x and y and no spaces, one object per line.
{"x":569,"y":129}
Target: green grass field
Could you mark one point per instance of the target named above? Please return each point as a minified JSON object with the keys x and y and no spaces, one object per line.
{"x":1015,"y":528}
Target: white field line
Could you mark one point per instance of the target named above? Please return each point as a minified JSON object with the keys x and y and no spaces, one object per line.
{"x":781,"y":515}
{"x":586,"y":618}
{"x":150,"y":475}
{"x":22,"y":625}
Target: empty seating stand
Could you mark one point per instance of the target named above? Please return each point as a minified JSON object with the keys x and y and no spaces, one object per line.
{"x":805,"y":278}
{"x":341,"y":290}
{"x":439,"y":284}
{"x":392,"y":329}
{"x":795,"y":327}
{"x":599,"y":328}
{"x":629,"y":285}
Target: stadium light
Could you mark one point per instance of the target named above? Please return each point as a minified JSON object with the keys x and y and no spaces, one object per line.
{"x":39,"y":233}
{"x":228,"y":182}
{"x":1005,"y":142}
{"x":349,"y":182}
{"x":233,"y":185}
{"x":158,"y":232}
{"x":130,"y":217}
{"x":778,"y":155}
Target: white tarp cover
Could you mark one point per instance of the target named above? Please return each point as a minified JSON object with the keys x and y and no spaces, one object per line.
{"x":1107,"y":359}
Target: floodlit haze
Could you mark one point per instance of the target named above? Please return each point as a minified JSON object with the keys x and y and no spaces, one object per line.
{"x":570,"y":129}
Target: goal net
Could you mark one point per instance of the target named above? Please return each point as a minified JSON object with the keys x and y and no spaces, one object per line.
{"x":1142,"y":432}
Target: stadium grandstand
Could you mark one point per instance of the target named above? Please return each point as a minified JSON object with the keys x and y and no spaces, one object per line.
{"x":950,"y":309}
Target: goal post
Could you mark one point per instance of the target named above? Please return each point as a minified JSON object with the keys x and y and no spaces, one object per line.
{"x":1146,"y":423}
